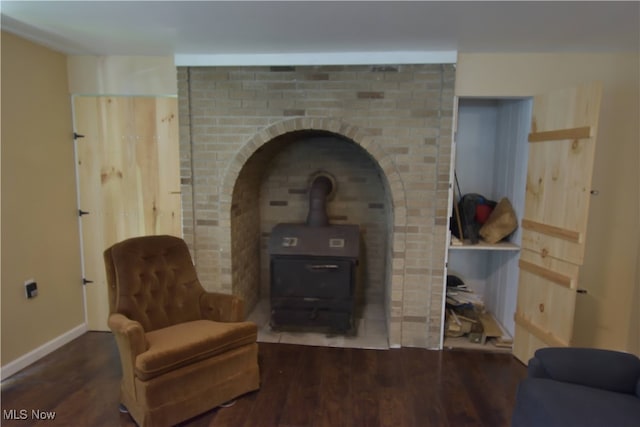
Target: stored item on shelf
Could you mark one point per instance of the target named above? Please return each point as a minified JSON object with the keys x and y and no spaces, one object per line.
{"x":501,"y":223}
{"x":472,"y":209}
{"x":458,"y":294}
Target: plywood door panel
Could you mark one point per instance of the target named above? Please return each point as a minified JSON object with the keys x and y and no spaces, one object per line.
{"x":546,"y":301}
{"x":527,"y":340}
{"x":557,"y":195}
{"x":128,"y":179}
{"x":558,"y":271}
{"x":560,"y":162}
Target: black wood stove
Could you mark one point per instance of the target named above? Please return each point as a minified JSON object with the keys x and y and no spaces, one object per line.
{"x":313,"y":268}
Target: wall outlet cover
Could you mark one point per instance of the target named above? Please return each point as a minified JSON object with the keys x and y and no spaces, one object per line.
{"x":31,"y":288}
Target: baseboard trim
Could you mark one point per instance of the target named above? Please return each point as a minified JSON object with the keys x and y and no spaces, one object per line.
{"x":33,"y":356}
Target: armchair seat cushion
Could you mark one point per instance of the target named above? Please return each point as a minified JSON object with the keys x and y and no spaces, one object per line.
{"x":185,"y":343}
{"x":549,"y":403}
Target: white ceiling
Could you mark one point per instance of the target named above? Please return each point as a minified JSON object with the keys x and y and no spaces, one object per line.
{"x":267,"y":27}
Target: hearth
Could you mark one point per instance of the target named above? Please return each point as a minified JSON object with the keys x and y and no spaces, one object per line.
{"x":314,"y":266}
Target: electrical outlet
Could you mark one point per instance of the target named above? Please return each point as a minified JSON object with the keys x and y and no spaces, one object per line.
{"x":31,"y":288}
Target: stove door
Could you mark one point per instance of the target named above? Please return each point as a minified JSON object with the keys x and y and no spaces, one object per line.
{"x":322,"y":278}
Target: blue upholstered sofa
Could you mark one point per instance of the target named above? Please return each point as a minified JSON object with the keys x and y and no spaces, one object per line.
{"x":579,"y":387}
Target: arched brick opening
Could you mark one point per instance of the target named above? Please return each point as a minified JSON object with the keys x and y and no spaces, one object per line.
{"x":240,"y":238}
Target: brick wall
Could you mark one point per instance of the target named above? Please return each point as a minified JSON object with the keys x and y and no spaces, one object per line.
{"x":240,"y":138}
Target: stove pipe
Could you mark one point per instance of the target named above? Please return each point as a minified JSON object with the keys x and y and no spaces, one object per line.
{"x":318,"y":192}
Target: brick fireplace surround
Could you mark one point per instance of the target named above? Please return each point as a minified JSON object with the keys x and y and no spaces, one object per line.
{"x":250,"y":137}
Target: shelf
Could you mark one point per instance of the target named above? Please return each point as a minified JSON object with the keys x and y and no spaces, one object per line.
{"x":483,"y":246}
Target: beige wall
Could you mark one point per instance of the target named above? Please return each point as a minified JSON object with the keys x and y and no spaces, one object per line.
{"x":39,"y":221}
{"x":607,"y":316}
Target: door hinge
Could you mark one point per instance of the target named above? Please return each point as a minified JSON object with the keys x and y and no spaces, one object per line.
{"x":81,"y":212}
{"x":86,"y":281}
{"x":76,"y":135}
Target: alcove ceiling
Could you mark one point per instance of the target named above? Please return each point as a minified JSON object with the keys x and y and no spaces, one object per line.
{"x":269,"y":27}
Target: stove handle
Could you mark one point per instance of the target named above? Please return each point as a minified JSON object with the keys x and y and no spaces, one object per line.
{"x":317,"y":267}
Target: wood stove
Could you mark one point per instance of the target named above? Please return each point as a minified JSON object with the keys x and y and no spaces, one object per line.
{"x":313,"y":268}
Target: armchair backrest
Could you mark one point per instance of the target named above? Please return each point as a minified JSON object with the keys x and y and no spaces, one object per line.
{"x":152,"y":280}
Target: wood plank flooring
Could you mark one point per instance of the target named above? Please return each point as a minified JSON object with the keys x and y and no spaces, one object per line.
{"x":300,"y":386}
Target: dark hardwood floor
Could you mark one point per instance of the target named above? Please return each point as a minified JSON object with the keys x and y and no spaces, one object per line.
{"x":300,"y":386}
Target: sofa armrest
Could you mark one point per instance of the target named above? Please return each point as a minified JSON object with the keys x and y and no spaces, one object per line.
{"x":221,"y":307}
{"x":605,"y":369}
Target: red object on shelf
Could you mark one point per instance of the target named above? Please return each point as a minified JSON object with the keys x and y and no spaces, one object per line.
{"x":482,"y":213}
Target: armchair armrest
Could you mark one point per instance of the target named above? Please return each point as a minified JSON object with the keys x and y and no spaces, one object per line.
{"x":129,"y":331}
{"x":221,"y":307}
{"x":605,"y":369}
{"x":131,"y":342}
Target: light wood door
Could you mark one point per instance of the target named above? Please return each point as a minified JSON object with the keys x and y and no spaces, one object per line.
{"x":128,"y":180}
{"x":561,"y":152}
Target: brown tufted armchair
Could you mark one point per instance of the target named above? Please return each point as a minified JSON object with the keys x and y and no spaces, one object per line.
{"x":183,"y":351}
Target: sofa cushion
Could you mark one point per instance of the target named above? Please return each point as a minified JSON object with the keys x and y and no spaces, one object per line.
{"x":186,"y":343}
{"x":549,"y":403}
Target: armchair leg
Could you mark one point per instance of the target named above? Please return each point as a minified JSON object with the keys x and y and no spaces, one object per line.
{"x":229,"y":403}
